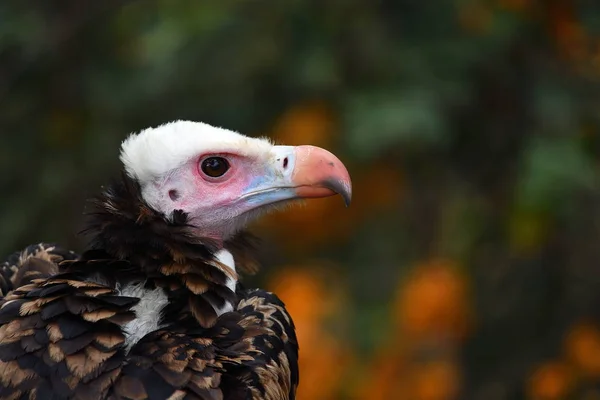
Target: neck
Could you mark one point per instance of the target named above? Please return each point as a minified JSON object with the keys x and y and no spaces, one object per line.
{"x":122,"y":224}
{"x":199,"y":274}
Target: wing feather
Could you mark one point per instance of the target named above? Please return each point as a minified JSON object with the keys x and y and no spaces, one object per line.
{"x":47,"y":342}
{"x":263,"y":363}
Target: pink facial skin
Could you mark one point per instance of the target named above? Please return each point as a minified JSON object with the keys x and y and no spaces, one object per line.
{"x":220,"y":206}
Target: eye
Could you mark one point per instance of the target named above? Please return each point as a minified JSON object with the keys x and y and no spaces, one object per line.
{"x":214,"y":166}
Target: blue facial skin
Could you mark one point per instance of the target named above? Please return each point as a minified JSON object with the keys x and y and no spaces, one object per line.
{"x":258,"y":192}
{"x":271,"y":196}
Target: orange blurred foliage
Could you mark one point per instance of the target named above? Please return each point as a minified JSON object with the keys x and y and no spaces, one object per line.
{"x":394,"y":376}
{"x":314,"y":298}
{"x":430,"y":313}
{"x":438,"y":380}
{"x":433,"y":301}
{"x":582,"y":348}
{"x":550,"y":381}
{"x":380,"y":187}
{"x":307,"y":123}
{"x":386,"y":374}
{"x":571,"y":39}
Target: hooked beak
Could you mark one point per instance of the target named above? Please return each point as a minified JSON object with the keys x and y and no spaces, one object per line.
{"x":318,"y":173}
{"x":299,"y":172}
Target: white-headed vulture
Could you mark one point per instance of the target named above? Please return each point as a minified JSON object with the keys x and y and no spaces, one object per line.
{"x":153,"y":308}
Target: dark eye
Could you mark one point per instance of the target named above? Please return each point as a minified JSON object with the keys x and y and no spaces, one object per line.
{"x":214,"y":166}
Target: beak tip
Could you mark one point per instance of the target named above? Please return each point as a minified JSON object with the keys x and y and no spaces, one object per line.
{"x":318,"y":173}
{"x":346,"y":193}
{"x":347,"y":200}
{"x":341,"y":187}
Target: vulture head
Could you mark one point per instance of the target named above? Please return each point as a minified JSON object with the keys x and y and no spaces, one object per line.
{"x":221,"y":179}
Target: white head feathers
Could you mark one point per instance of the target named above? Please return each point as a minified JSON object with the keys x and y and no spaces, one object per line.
{"x":153,"y":152}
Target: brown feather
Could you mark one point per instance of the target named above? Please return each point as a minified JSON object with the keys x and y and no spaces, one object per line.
{"x":196,"y":284}
{"x":95,"y":316}
{"x":131,"y":388}
{"x":202,"y":311}
{"x":55,"y":352}
{"x":54,"y":332}
{"x":177,"y":395}
{"x":109,"y":341}
{"x":176,"y":377}
{"x":12,"y":374}
{"x":97,"y":357}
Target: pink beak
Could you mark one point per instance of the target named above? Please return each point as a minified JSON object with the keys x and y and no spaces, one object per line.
{"x":318,"y":173}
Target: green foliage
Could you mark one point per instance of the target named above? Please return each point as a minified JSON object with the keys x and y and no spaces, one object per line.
{"x":382,"y":118}
{"x":554,"y":169}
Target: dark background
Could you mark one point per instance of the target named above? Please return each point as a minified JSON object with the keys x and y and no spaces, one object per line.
{"x":467,"y":265}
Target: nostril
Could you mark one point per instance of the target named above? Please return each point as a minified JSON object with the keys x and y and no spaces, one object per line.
{"x":173,"y":194}
{"x":285,"y":162}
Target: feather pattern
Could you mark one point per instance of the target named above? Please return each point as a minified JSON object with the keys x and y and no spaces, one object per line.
{"x":34,"y":262}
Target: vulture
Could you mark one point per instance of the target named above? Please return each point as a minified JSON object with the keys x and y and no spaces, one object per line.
{"x":154,"y":308}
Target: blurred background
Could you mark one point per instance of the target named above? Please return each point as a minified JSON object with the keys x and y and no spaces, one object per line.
{"x":467,"y":266}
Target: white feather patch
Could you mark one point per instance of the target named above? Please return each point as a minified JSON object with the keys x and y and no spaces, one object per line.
{"x":147,"y":311}
{"x":152,"y":301}
{"x":225,"y":257}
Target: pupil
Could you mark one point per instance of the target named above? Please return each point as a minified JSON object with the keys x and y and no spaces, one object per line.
{"x":215,"y":166}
